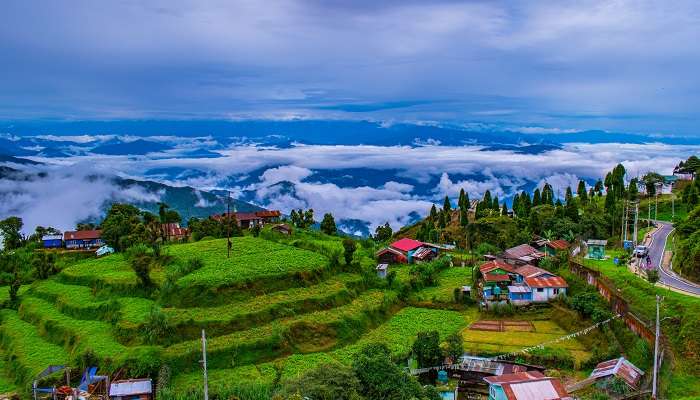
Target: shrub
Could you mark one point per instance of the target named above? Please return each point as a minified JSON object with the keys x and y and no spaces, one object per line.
{"x":349,"y":247}
{"x":156,"y":326}
{"x":325,"y":382}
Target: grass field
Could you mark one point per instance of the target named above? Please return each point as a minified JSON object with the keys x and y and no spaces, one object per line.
{"x":448,"y":280}
{"x":111,"y":272}
{"x":482,"y":342}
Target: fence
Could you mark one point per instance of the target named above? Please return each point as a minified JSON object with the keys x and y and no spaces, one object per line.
{"x":637,"y":324}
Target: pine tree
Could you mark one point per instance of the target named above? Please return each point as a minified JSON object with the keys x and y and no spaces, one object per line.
{"x":504,"y":210}
{"x":569,"y":196}
{"x":433,"y":212}
{"x":446,"y":206}
{"x":536,"y":198}
{"x":463,"y":217}
{"x":487,"y":199}
{"x":496,"y":206}
{"x":526,"y":203}
{"x":591,"y":193}
{"x":581,"y":192}
{"x":516,"y":205}
{"x":547,"y":194}
{"x":461,"y":201}
{"x":328,"y":224}
{"x":467,"y":202}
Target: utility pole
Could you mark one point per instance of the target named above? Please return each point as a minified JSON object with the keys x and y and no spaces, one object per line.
{"x":636,"y":213}
{"x":656,"y":350}
{"x":204,"y":364}
{"x":228,"y":226}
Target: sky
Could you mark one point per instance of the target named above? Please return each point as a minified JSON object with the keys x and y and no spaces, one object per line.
{"x":627,"y":66}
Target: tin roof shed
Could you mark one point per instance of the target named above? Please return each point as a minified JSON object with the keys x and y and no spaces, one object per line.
{"x":131,"y":387}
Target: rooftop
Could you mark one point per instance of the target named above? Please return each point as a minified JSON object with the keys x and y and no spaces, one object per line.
{"x":82,"y":235}
{"x":621,"y":368}
{"x":550,"y":282}
{"x":406,"y":244}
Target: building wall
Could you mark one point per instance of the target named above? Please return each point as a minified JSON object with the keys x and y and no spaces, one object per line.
{"x":54,"y":243}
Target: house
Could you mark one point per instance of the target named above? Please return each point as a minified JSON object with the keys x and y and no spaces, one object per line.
{"x":283,"y":229}
{"x":407,"y":251}
{"x":83,"y":239}
{"x":521,"y":285}
{"x":131,"y":389}
{"x":248,"y":220}
{"x":52,"y":241}
{"x":553,"y":247}
{"x":596,"y":248}
{"x":530,"y":385}
{"x":496,"y":277}
{"x":174,"y":232}
{"x":620,"y":368}
{"x":545,"y":288}
{"x":382,"y":269}
{"x":522,"y":254}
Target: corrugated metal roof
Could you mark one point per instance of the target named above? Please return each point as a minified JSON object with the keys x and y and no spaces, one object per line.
{"x":620,"y":367}
{"x":543,"y":389}
{"x":130,"y":387}
{"x":516,"y":377}
{"x":530,"y":271}
{"x":495,"y":264}
{"x":519,"y":289}
{"x":560,"y":244}
{"x":52,"y":237}
{"x":382,"y":267}
{"x":551,"y":282}
{"x":596,"y":242}
{"x":522,"y":251}
{"x":82,"y":235}
{"x":496,"y":278}
{"x":422,"y":253}
{"x":406,"y":244}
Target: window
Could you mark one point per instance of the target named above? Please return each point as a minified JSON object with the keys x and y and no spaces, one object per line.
{"x":540,"y":290}
{"x":556,"y":291}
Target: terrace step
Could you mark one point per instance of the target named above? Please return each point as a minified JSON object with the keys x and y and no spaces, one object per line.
{"x":26,"y":352}
{"x":313,"y":332}
{"x":80,"y":337}
{"x":333,"y":292}
{"x":79,"y":302}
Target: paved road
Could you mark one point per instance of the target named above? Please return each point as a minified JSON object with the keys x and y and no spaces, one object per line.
{"x":656,"y":252}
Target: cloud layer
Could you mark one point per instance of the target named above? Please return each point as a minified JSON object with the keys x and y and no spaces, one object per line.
{"x":625,"y":65}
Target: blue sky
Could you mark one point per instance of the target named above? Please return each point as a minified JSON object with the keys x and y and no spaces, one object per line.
{"x":625,"y":66}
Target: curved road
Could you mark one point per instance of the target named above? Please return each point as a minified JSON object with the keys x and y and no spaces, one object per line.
{"x":656,"y":252}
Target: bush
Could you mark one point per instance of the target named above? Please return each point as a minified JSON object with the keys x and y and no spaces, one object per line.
{"x":156,"y":326}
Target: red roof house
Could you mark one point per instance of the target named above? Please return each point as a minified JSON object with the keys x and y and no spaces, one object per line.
{"x":405,"y":245}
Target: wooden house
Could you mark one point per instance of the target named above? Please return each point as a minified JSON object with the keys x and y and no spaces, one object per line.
{"x":174,"y":232}
{"x":521,"y":285}
{"x":83,"y":239}
{"x":553,"y":247}
{"x":283,"y":229}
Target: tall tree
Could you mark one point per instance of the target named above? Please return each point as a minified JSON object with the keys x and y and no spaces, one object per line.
{"x":461,"y":200}
{"x":581,"y":192}
{"x":349,"y":247}
{"x":487,"y":199}
{"x":536,"y":198}
{"x":433,"y":212}
{"x":426,"y":349}
{"x":496,"y":205}
{"x":463,"y":217}
{"x":11,"y":231}
{"x":446,"y":206}
{"x":504,"y":210}
{"x":328,"y":224}
{"x":383,"y":232}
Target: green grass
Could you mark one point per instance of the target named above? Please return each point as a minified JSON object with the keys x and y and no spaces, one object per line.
{"x":448,"y":280}
{"x":78,"y":302}
{"x":110,"y":272}
{"x":256,"y":266}
{"x":28,"y":353}
{"x":333,"y":292}
{"x":311,"y":332}
{"x":7,"y":385}
{"x":488,"y":343}
{"x":5,"y":292}
{"x":398,"y":333}
{"x":665,"y":211}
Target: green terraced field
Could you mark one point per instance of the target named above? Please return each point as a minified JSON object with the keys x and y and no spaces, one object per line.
{"x":112,"y":271}
{"x":28,"y":352}
{"x":448,"y":280}
{"x":333,"y":292}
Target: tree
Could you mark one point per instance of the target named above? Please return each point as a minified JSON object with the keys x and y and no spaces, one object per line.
{"x":141,"y":264}
{"x":14,"y":289}
{"x":85,"y":226}
{"x":44,"y":265}
{"x":433,"y":212}
{"x":426,"y":349}
{"x":599,"y":188}
{"x":581,"y":192}
{"x":547,"y":194}
{"x":504,"y":211}
{"x":633,"y":189}
{"x":536,"y":198}
{"x":381,"y":378}
{"x":11,"y":231}
{"x":156,"y":325}
{"x":651,"y":180}
{"x":383,"y":232}
{"x":446,"y":206}
{"x":487,"y":199}
{"x":349,"y":247}
{"x":496,"y":206}
{"x":328,"y":224}
{"x":463,"y":217}
{"x":462,"y":201}
{"x":652,"y":276}
{"x":309,"y":218}
{"x":123,"y":227}
{"x":294,"y":217}
{"x":454,"y":348}
{"x":333,"y":381}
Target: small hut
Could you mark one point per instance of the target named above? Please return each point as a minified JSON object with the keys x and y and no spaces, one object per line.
{"x":596,"y":248}
{"x":382,"y":270}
